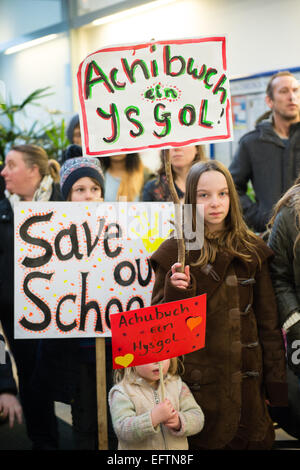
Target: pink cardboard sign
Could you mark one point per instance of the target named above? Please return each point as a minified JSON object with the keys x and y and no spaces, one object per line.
{"x":159,"y":94}
{"x":158,"y":332}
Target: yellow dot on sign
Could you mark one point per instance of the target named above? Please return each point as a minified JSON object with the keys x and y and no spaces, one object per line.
{"x":25,"y":308}
{"x":64,"y":215}
{"x":86,"y":207}
{"x":99,"y":287}
{"x":65,"y":270}
{"x":22,"y":211}
{"x":99,"y":259}
{"x":21,"y":249}
{"x":65,"y":281}
{"x":120,"y":293}
{"x":131,"y":250}
{"x":54,"y":295}
{"x":52,"y":229}
{"x":70,"y":311}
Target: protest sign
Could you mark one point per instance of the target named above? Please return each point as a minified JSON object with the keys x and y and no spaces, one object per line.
{"x":158,"y":332}
{"x":76,"y":264}
{"x":158,"y":94}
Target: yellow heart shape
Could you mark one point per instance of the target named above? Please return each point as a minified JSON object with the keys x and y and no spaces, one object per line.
{"x":193,"y":322}
{"x":124,"y":360}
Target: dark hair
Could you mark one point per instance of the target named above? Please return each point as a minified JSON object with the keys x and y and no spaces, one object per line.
{"x":132,"y":162}
{"x":74,"y":122}
{"x":69,"y":197}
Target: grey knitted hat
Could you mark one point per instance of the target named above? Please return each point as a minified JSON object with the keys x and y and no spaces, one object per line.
{"x":79,"y":167}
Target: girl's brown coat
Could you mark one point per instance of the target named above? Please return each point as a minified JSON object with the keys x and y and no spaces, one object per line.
{"x":243,"y":362}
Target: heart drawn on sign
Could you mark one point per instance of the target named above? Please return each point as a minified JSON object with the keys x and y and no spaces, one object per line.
{"x":124,"y":360}
{"x":193,"y":322}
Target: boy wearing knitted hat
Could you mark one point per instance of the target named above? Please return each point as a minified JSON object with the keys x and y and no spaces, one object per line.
{"x":81,"y":179}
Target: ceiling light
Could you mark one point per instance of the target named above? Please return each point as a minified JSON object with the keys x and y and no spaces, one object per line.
{"x":132,"y":11}
{"x":25,"y":45}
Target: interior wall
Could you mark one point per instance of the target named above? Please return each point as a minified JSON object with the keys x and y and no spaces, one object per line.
{"x":261,"y":36}
{"x":18,"y":17}
{"x":46,"y":65}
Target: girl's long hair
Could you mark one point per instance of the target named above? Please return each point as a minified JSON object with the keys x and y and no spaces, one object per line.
{"x":129,"y":374}
{"x":290,"y":199}
{"x":133,"y":180}
{"x":235,"y":238}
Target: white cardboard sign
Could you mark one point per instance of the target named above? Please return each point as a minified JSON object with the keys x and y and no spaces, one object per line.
{"x":154,"y":95}
{"x":76,"y":264}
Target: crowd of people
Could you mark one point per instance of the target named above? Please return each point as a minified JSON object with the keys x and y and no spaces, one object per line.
{"x":228,"y":395}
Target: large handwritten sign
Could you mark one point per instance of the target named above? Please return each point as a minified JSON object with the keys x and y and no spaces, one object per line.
{"x":159,"y":332}
{"x":76,"y":264}
{"x":154,"y":95}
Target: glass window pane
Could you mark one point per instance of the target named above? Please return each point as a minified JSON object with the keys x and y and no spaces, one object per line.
{"x":88,"y":6}
{"x":18,"y":17}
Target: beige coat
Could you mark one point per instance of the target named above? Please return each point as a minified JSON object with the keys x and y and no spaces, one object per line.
{"x":131,"y":405}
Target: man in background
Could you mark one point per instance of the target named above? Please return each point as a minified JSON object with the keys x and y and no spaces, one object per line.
{"x":269,"y":156}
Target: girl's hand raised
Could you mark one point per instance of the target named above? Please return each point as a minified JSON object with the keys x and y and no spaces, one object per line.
{"x":178,"y":279}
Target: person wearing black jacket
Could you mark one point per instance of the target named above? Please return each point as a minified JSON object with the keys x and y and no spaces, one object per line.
{"x":269,"y":156}
{"x":27,"y":178}
{"x":10,"y":407}
{"x":285,"y":273}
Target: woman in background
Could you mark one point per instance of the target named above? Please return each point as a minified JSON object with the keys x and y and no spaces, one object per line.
{"x":28,"y":177}
{"x":125,"y":177}
{"x":182,"y":158}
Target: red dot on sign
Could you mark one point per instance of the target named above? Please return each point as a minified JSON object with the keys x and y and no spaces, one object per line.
{"x":111,"y":288}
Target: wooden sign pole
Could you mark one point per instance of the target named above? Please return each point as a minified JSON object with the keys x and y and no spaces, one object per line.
{"x":179,"y":233}
{"x":100,"y":342}
{"x":101,"y":394}
{"x":178,"y":211}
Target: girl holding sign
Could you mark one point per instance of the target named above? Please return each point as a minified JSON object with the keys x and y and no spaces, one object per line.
{"x":242,"y":366}
{"x":141,"y":420}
